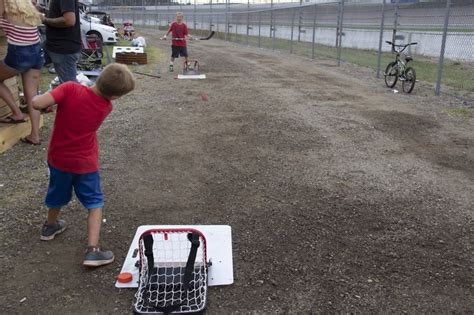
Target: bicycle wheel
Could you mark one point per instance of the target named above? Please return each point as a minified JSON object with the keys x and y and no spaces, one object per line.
{"x":409,"y":80}
{"x":391,"y":74}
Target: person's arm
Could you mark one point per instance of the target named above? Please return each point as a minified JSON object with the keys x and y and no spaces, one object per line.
{"x":167,"y":33}
{"x":67,"y":20}
{"x":2,"y":8}
{"x":56,"y":96}
{"x":43,"y":101}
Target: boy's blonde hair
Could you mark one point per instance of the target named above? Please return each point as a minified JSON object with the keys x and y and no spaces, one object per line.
{"x":115,"y":80}
{"x":21,"y":12}
{"x":179,"y":14}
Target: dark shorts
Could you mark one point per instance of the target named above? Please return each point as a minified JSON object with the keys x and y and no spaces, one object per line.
{"x":24,"y":58}
{"x":86,"y":187}
{"x":177,"y":51}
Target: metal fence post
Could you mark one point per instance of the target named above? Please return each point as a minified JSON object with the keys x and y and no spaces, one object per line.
{"x":272,"y":30}
{"x":226,"y":19}
{"x":271,"y":18}
{"x":236,"y":27}
{"x":379,"y":56}
{"x":168,"y":16}
{"x":202,"y":22}
{"x":341,"y":23}
{"x":395,"y":20}
{"x":300,"y":20}
{"x":194,"y":16}
{"x":259,"y":28}
{"x":338,"y":22}
{"x":443,"y":47}
{"x":409,"y":41}
{"x":248,"y":21}
{"x":313,"y":45}
{"x":210,"y":17}
{"x":292,"y":27}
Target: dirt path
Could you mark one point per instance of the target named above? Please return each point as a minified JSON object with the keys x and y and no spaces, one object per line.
{"x":342,"y":196}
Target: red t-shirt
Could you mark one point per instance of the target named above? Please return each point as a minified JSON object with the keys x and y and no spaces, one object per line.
{"x":73,"y":146}
{"x":178,"y":31}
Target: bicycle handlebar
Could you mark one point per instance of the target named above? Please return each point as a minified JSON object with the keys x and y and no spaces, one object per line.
{"x":401,"y":46}
{"x":390,"y":43}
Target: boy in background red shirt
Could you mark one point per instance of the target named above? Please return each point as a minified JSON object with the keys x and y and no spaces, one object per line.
{"x":179,"y":32}
{"x":73,"y":153}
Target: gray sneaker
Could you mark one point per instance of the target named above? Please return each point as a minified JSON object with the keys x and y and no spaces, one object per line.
{"x":96,"y":257}
{"x":49,"y":231}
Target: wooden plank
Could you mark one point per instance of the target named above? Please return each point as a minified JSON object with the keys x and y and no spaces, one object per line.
{"x":131,"y":58}
{"x":10,"y":134}
{"x":5,"y":110}
{"x":13,"y":86}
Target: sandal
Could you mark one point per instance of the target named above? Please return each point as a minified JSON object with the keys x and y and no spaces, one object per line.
{"x":28,"y":141}
{"x":11,"y":120}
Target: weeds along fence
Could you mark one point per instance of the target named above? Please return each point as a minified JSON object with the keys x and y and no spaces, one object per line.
{"x":345,"y":31}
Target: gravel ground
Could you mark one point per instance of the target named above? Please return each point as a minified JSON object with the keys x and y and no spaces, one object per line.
{"x":343,"y":196}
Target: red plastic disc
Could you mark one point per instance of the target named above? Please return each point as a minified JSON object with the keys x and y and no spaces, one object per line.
{"x":125,"y":277}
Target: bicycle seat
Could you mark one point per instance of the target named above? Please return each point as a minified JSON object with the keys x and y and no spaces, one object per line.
{"x":408,"y":58}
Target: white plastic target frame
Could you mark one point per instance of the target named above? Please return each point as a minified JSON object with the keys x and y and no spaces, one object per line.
{"x":219,"y":253}
{"x":191,"y":76}
{"x":128,"y":49}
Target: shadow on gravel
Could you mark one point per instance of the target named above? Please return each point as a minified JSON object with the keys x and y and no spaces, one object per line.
{"x":415,"y":136}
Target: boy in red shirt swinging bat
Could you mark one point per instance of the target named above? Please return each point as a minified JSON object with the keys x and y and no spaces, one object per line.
{"x":179,"y":32}
{"x":73,"y":153}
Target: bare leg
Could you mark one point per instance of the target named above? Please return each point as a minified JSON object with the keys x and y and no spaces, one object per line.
{"x":171,"y":64}
{"x":53,"y":214}
{"x":30,"y":88}
{"x":94,"y":256}
{"x":94,"y":221}
{"x":5,"y":73}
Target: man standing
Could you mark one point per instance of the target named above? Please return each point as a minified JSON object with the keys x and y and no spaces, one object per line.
{"x":63,"y":37}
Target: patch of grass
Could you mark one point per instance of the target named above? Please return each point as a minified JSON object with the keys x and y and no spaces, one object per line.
{"x":459,"y":111}
{"x":110,"y":47}
{"x":153,"y":55}
{"x":456,"y":74}
{"x":45,"y":80}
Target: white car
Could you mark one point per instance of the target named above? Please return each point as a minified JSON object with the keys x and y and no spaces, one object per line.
{"x":107,"y":34}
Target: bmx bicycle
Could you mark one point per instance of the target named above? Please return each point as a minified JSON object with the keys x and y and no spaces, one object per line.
{"x":398,"y":69}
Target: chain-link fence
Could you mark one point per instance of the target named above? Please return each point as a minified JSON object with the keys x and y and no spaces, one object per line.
{"x":352,"y":31}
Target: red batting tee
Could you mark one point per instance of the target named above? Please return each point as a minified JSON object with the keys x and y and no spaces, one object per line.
{"x":73,"y":146}
{"x":178,"y":31}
